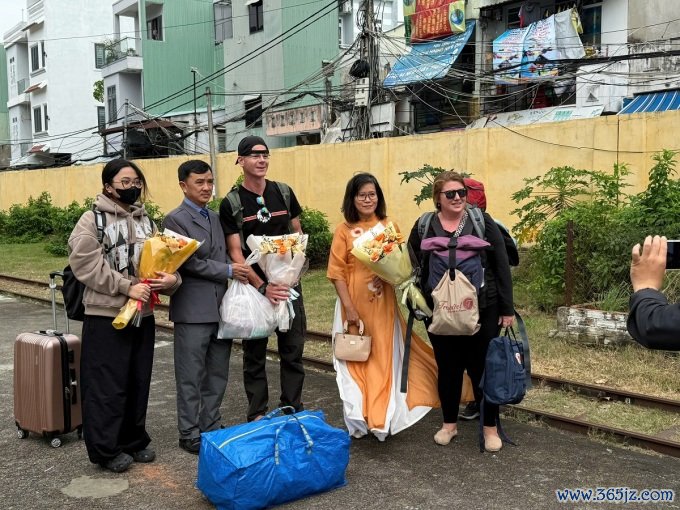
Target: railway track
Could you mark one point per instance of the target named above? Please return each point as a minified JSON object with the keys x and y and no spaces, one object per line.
{"x":654,"y":443}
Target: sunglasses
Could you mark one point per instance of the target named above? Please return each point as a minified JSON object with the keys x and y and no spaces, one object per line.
{"x":263,"y":215}
{"x":451,"y":194}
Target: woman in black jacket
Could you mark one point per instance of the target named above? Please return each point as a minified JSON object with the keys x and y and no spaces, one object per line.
{"x":455,"y":354}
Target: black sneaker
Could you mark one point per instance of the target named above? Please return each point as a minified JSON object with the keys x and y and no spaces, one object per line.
{"x":470,"y":412}
{"x":192,"y":445}
{"x":118,"y":464}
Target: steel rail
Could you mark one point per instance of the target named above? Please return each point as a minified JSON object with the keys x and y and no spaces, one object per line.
{"x":622,"y":436}
{"x":657,"y":444}
{"x":590,"y":390}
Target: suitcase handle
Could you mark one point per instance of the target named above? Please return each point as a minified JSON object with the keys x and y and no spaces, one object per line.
{"x":292,"y":419}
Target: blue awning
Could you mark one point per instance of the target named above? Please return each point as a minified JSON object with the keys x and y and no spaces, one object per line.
{"x":429,"y":60}
{"x":653,"y":102}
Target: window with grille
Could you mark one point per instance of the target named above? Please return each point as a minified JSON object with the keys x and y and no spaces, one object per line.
{"x":101,"y":117}
{"x":37,"y":119}
{"x":224,"y":26}
{"x":256,"y":17}
{"x":99,"y":55}
{"x":112,"y":103}
{"x":35,"y":57}
{"x":154,"y":28}
{"x":254,"y":112}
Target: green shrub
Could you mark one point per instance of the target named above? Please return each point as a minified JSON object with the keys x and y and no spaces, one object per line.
{"x":31,"y":222}
{"x":315,"y":223}
{"x":606,"y":224}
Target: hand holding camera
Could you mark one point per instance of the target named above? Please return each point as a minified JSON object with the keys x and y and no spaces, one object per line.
{"x":648,"y":267}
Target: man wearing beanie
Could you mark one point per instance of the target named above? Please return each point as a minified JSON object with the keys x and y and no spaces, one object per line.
{"x":263,"y":207}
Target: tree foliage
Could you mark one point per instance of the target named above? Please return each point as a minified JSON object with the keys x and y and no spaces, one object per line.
{"x":425,"y":176}
{"x":98,"y":91}
{"x":606,"y":223}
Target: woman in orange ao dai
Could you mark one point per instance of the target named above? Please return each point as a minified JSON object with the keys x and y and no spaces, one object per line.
{"x":370,"y":392}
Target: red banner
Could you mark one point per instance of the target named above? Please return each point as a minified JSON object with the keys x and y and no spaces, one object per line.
{"x":431,"y":19}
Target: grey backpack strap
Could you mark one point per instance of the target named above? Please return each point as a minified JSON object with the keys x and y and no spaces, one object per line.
{"x":475,"y":214}
{"x":236,"y":211}
{"x":424,"y":224}
{"x":284,"y":189}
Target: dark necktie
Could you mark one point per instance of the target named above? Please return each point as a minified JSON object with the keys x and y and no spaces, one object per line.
{"x":204,"y":213}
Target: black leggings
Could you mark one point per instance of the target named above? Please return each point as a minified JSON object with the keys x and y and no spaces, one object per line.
{"x":455,"y":354}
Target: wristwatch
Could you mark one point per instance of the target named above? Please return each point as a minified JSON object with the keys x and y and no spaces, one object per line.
{"x":262,"y":289}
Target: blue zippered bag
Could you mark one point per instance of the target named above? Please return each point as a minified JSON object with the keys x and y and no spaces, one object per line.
{"x":272,"y":460}
{"x":507,"y":373}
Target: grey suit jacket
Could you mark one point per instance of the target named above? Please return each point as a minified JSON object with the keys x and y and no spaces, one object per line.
{"x":205,"y":274}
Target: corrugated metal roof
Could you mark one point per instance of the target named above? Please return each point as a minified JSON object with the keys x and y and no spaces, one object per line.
{"x":653,"y":102}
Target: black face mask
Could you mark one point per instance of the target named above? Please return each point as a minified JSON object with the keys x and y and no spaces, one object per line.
{"x":129,"y":196}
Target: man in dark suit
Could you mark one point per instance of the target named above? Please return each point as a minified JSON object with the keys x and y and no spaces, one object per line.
{"x":201,"y":359}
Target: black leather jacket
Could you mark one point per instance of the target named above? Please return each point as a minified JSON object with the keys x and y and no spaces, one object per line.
{"x":653,"y":322}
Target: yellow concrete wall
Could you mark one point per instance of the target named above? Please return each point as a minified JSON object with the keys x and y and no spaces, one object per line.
{"x":499,"y":157}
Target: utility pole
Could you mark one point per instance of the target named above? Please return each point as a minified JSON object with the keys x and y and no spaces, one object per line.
{"x":211,"y":141}
{"x":125,"y":128}
{"x":369,"y":54}
{"x":193,"y":71}
{"x":326,"y":66}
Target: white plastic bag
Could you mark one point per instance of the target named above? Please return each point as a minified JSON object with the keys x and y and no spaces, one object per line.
{"x":244,"y":312}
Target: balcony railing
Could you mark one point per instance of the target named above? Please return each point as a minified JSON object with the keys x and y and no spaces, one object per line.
{"x":118,"y":50}
{"x":21,"y":86}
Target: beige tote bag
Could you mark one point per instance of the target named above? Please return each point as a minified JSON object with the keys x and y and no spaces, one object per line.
{"x":347,"y":347}
{"x":456,"y":308}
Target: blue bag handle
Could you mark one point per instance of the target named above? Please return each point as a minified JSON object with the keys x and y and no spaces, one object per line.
{"x":292,"y":418}
{"x":277,"y":411}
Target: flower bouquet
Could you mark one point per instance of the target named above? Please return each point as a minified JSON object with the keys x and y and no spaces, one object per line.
{"x":382,"y":249}
{"x":283,"y":260}
{"x":163,"y":252}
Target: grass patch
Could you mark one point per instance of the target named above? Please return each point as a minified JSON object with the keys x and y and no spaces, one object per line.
{"x":630,"y":367}
{"x":29,"y":261}
{"x":613,"y":414}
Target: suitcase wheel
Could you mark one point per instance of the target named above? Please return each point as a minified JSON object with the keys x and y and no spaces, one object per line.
{"x":21,"y":433}
{"x":55,"y":442}
{"x":80,"y":432}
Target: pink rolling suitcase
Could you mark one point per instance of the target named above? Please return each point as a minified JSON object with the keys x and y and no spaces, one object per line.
{"x":46,"y":381}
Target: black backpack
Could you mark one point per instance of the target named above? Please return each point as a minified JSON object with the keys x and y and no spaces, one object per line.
{"x":73,"y":289}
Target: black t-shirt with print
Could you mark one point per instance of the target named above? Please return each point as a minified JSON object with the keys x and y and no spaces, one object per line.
{"x":273,"y":199}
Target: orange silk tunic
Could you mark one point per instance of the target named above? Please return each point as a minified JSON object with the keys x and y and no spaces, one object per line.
{"x":377,"y":310}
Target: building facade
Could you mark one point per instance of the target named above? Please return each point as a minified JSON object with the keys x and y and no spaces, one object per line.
{"x":272,"y":48}
{"x":607,"y":52}
{"x":157,"y":65}
{"x":51,"y":71}
{"x":5,"y":145}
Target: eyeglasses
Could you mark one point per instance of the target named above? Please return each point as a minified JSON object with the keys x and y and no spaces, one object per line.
{"x":451,"y":194}
{"x":128,"y":183}
{"x":263,"y":215}
{"x":362,"y":197}
{"x":258,"y":156}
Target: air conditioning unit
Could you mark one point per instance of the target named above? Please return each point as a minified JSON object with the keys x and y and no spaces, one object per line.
{"x":346,"y":7}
